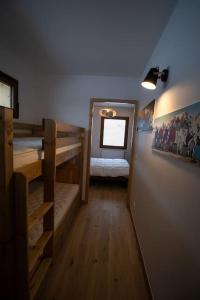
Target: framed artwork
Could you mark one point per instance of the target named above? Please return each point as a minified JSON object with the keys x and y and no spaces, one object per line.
{"x":179,"y":133}
{"x":145,"y":117}
{"x":9,"y":93}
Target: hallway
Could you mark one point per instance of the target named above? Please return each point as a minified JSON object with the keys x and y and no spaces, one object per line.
{"x":100,"y":260}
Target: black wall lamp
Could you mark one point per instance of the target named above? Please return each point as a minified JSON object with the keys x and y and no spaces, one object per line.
{"x":152,"y":76}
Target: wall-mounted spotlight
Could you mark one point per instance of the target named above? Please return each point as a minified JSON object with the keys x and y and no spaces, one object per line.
{"x":152,"y":76}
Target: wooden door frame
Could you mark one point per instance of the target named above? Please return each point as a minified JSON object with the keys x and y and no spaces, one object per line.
{"x":92,"y":101}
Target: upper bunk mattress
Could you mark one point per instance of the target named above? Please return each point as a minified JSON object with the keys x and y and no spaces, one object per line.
{"x":29,"y":150}
{"x":24,"y":145}
{"x":26,"y":151}
{"x":108,"y":167}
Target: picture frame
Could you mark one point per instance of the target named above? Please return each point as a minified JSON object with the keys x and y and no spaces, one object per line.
{"x":9,"y":87}
{"x":178,"y":134}
{"x":145,"y":118}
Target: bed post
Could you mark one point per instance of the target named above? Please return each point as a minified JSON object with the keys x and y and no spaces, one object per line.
{"x":82,"y":154}
{"x":21,"y":196}
{"x":50,"y":133}
{"x":7,"y":285}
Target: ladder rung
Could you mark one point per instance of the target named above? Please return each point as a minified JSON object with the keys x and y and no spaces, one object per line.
{"x":37,"y":250}
{"x":38,"y":214}
{"x":39,"y":276}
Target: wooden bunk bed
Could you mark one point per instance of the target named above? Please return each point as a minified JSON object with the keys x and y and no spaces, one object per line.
{"x":41,"y":182}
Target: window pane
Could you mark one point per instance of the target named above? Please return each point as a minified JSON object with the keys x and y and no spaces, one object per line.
{"x":114,"y":132}
{"x":5,"y":95}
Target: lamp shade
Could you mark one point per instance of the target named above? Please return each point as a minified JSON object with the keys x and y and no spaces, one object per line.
{"x":151,"y":79}
{"x":107,"y":112}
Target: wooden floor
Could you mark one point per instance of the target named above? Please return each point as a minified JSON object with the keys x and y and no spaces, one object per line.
{"x":100,"y":259}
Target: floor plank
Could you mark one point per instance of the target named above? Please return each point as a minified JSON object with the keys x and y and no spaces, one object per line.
{"x":100,"y":259}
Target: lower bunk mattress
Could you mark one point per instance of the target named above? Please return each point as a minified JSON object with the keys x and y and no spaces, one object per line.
{"x":65,"y":194}
{"x":109,"y":167}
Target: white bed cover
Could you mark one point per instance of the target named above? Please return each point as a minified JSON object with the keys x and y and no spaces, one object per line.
{"x":29,"y":150}
{"x":108,"y":167}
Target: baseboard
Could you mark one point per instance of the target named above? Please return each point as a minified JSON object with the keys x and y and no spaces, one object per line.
{"x":147,"y":283}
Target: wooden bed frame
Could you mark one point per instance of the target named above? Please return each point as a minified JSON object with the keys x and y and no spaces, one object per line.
{"x":23,"y":270}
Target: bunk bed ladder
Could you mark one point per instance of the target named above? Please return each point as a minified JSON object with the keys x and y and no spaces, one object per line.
{"x":21,"y":194}
{"x":45,"y":244}
{"x":33,"y":263}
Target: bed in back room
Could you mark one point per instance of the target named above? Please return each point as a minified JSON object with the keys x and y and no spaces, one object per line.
{"x":109,"y":167}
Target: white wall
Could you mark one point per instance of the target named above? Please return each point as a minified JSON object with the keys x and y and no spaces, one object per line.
{"x":67,"y":97}
{"x":30,"y":98}
{"x":166,"y":201}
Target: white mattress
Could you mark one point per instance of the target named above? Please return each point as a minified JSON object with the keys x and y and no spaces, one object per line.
{"x":29,"y":150}
{"x":108,"y":167}
{"x":26,"y":151}
{"x":24,"y":145}
{"x":64,"y":196}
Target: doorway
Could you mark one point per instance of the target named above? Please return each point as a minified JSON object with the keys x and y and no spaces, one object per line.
{"x":111,"y":137}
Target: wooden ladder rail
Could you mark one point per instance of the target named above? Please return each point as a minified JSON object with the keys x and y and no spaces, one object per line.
{"x":82,"y":155}
{"x":33,"y":265}
{"x":7,"y":284}
{"x":21,"y":196}
{"x":49,"y":177}
{"x":28,"y":260}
